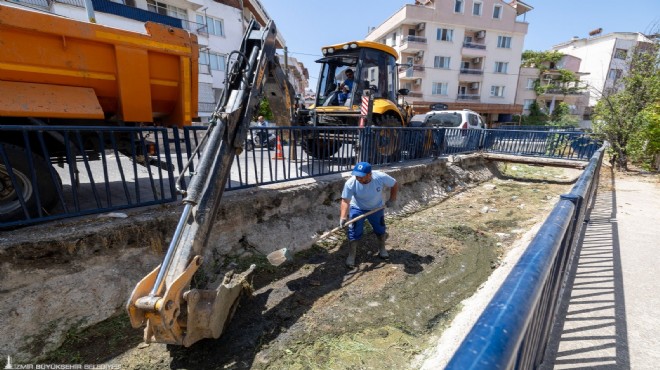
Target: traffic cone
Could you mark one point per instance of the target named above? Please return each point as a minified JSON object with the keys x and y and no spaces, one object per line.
{"x":279,"y":154}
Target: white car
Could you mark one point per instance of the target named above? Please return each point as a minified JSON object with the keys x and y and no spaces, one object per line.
{"x":455,"y":118}
{"x":457,"y":121}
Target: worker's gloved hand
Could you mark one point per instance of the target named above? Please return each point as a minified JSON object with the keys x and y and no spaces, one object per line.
{"x":342,"y":222}
{"x":390,"y":203}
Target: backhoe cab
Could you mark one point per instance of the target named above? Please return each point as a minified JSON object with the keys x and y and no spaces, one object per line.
{"x":375,"y":69}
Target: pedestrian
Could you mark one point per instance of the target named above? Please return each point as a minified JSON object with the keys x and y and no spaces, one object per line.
{"x":362,"y":193}
{"x":264,"y":135}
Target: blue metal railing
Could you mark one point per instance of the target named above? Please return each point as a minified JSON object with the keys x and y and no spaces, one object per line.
{"x":539,"y":128}
{"x":54,"y":172}
{"x":513,"y":330}
{"x":551,"y":144}
{"x":64,"y":171}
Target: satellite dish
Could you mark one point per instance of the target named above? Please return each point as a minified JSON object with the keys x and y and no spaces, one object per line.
{"x":595,"y":32}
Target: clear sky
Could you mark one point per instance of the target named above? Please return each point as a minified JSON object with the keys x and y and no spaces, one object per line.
{"x":307,"y":25}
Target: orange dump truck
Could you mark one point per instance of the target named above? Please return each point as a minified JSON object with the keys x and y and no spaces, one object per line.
{"x":56,"y":71}
{"x":63,"y":71}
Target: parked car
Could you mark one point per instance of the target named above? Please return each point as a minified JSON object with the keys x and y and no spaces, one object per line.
{"x":459,"y":121}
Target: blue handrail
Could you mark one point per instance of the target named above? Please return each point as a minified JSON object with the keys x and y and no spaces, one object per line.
{"x":513,"y":330}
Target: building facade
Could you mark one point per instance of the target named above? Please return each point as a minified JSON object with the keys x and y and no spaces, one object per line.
{"x":543,"y":85}
{"x":603,"y":59}
{"x":464,"y":53}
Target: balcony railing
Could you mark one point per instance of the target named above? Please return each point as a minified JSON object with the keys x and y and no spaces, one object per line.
{"x":473,"y":45}
{"x":39,"y":3}
{"x":563,"y":91}
{"x":414,"y":71}
{"x":142,"y":15}
{"x":472,"y":71}
{"x":468,"y":96}
{"x":206,"y":107}
{"x":410,"y":38}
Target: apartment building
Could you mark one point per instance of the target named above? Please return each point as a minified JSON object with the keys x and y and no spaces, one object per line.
{"x":218,"y":24}
{"x":603,"y":59}
{"x":464,"y":53}
{"x":544,"y":85}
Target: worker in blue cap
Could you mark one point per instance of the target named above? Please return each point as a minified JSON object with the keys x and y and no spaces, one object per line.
{"x":362,"y":193}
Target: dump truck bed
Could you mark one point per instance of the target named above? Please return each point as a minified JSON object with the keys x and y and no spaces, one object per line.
{"x":55,"y":67}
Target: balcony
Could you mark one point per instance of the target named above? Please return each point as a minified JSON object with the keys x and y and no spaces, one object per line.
{"x":205,"y":107}
{"x":105,"y":6}
{"x":130,"y":12}
{"x":474,"y":45}
{"x":468,"y":97}
{"x":412,"y":73}
{"x":472,"y":71}
{"x":411,"y":44}
{"x":415,"y":94}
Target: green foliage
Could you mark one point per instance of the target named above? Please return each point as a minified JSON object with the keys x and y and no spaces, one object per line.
{"x":540,"y":59}
{"x":628,"y":118}
{"x":561,"y":116}
{"x":645,"y":143}
{"x":264,"y":110}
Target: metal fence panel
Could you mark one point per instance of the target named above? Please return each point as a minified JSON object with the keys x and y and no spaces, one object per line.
{"x":106,"y":168}
{"x":63,"y":171}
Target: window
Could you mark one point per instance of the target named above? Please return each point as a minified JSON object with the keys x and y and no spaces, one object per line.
{"x":166,"y":9}
{"x":527,"y":104}
{"x":440,"y":88}
{"x":497,"y":11}
{"x":441,"y":62}
{"x":504,"y":42}
{"x":217,"y":62}
{"x":458,"y":6}
{"x":214,"y":26}
{"x":614,"y":74}
{"x":620,"y":53}
{"x":476,"y":8}
{"x":204,"y":57}
{"x":497,"y":91}
{"x":445,"y":34}
{"x":501,"y":67}
{"x":530,"y":83}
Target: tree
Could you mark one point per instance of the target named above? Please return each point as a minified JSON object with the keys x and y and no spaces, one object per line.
{"x":625,"y":114}
{"x":264,"y":110}
{"x":563,"y":82}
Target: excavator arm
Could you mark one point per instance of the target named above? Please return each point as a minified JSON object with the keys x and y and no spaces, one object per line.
{"x":163,"y":300}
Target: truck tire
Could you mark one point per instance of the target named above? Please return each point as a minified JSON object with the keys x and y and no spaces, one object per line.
{"x":10,"y":205}
{"x":321,"y":148}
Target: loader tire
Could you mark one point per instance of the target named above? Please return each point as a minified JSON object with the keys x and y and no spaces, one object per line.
{"x":386,"y":143}
{"x":321,"y":148}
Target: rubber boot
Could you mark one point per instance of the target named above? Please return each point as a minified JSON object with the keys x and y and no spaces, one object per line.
{"x":382,"y":251}
{"x":352,"y":250}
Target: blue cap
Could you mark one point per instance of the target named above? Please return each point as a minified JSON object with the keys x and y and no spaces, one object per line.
{"x":361,"y":169}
